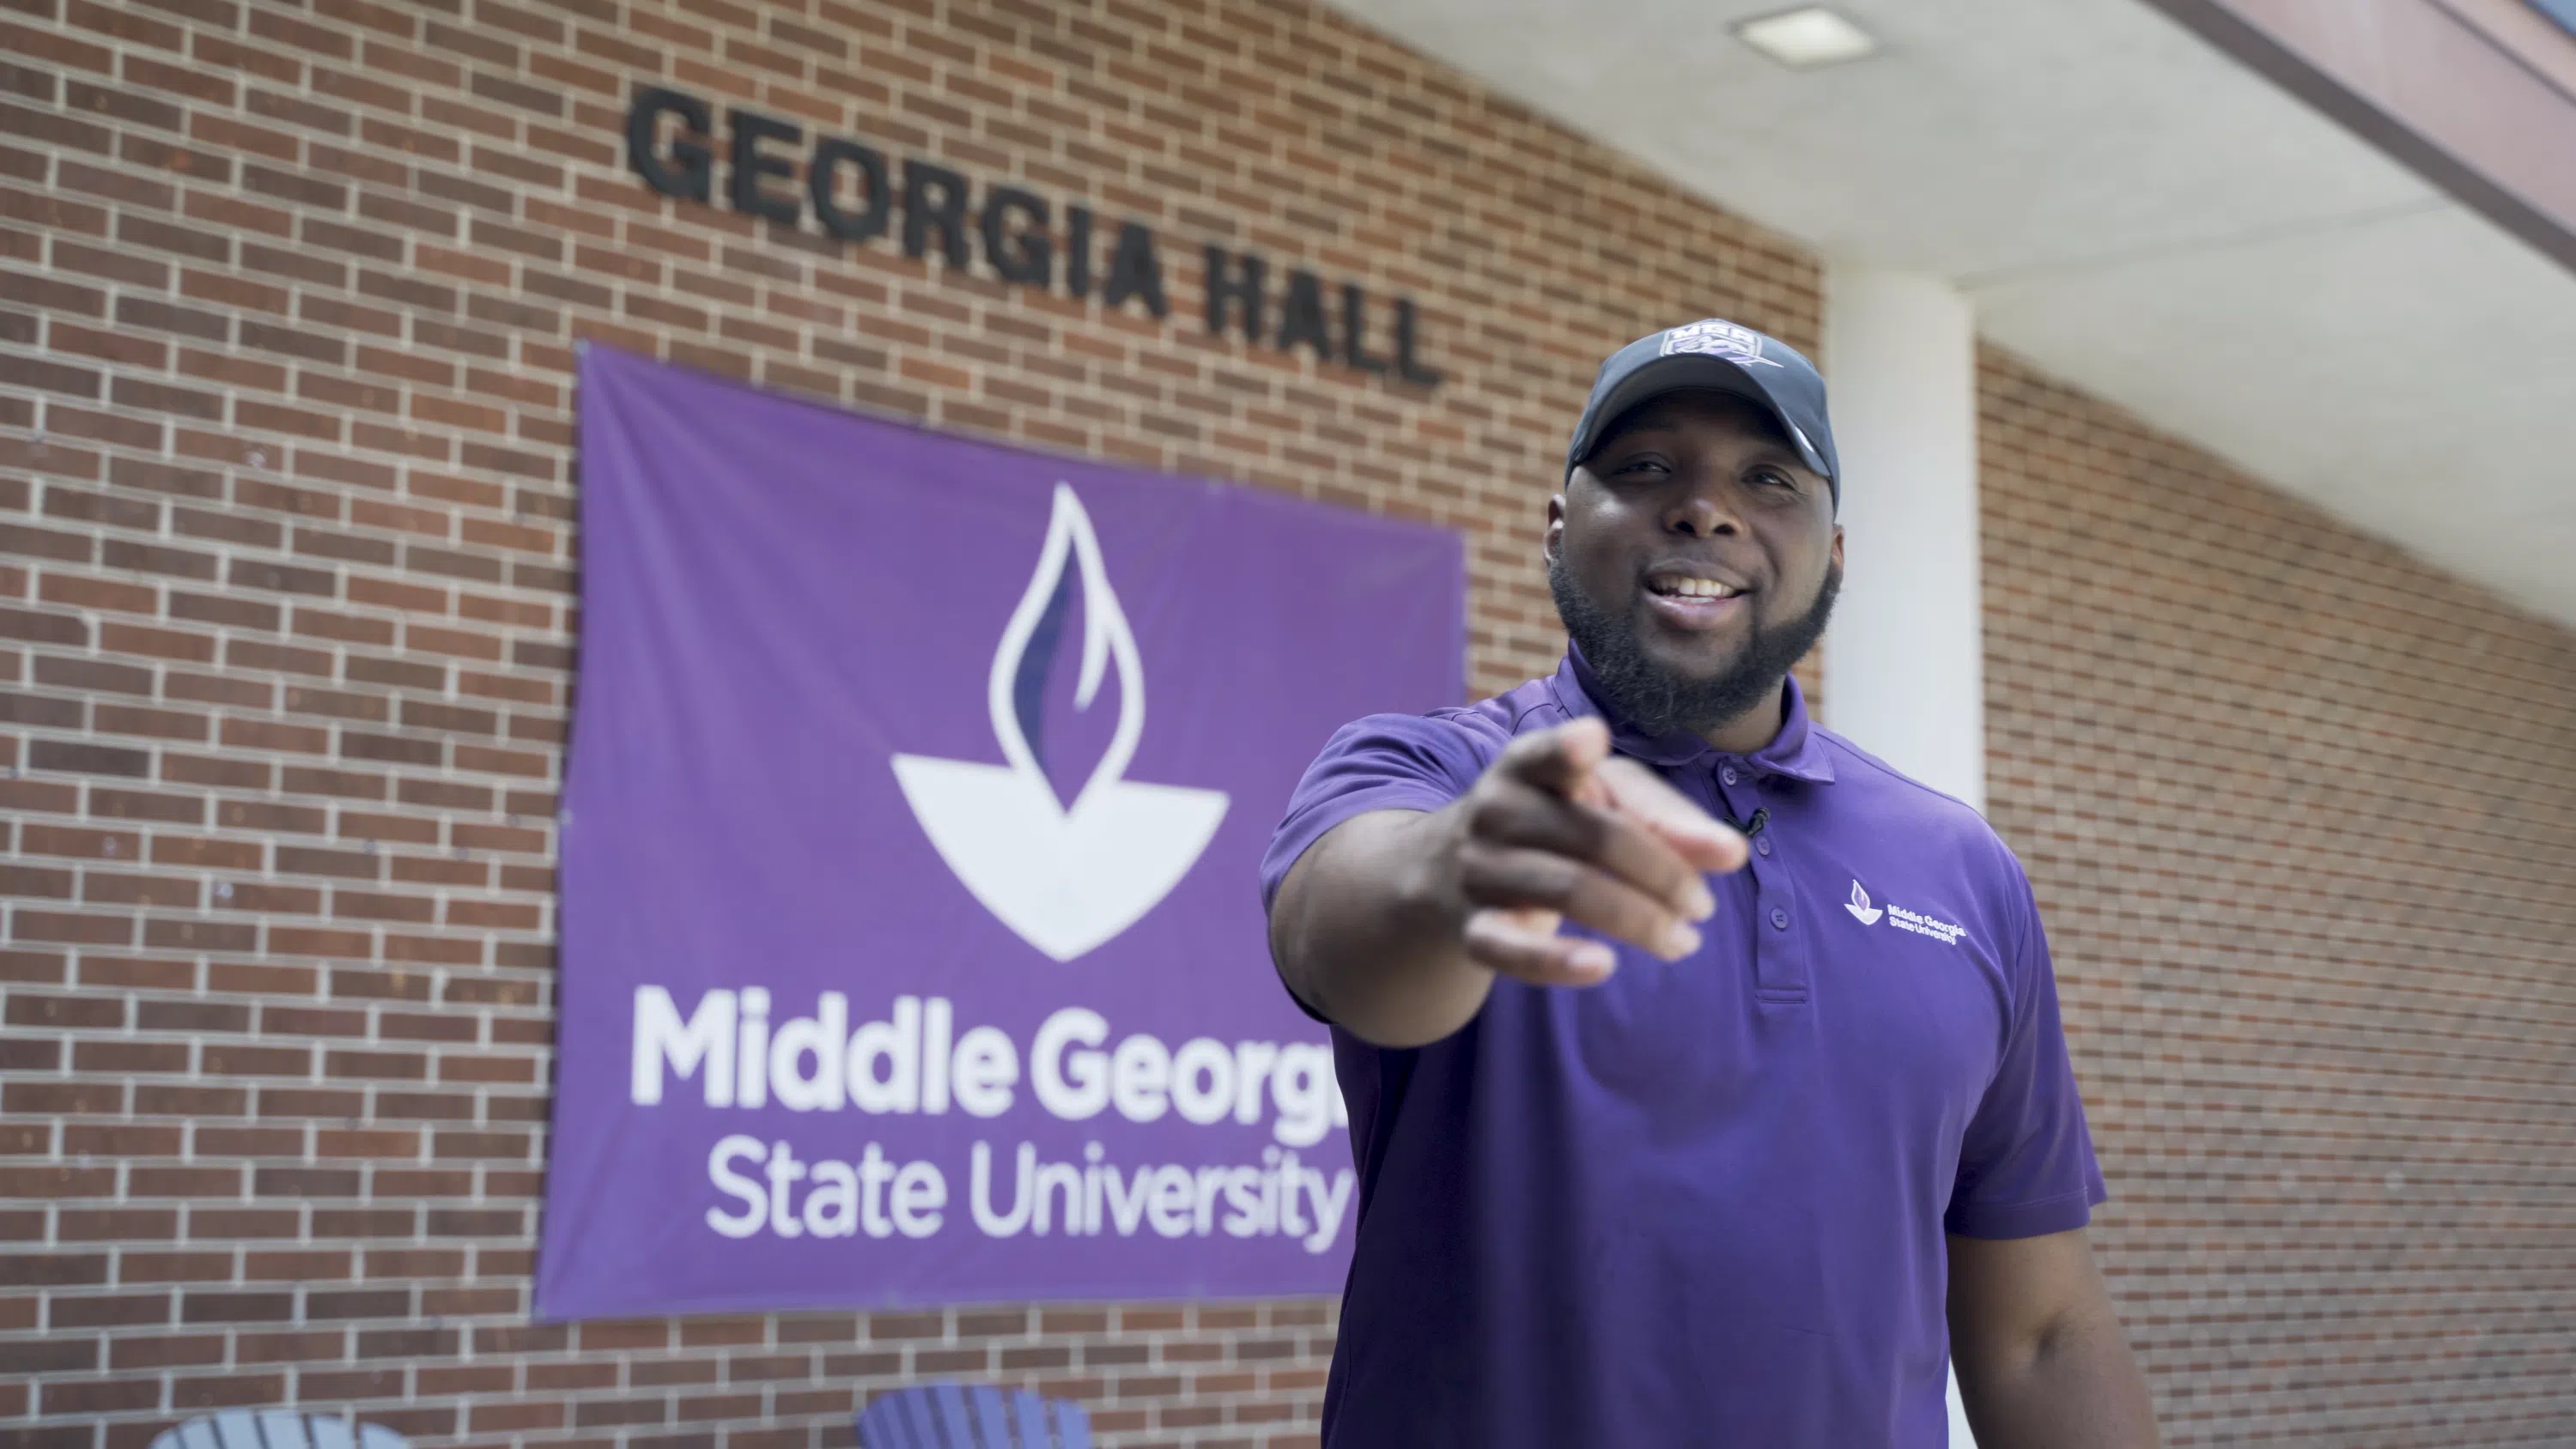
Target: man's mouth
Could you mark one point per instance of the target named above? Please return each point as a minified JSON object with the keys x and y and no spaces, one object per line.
{"x":1687,"y":587}
{"x":1692,"y":600}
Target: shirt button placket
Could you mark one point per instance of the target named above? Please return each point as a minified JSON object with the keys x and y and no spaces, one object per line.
{"x":1779,"y":954}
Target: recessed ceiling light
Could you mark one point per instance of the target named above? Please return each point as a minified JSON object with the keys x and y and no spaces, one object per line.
{"x":1807,"y":37}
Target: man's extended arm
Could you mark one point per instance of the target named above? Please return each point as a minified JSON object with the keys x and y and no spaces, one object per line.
{"x":1395,"y":923}
{"x":2041,"y":1361}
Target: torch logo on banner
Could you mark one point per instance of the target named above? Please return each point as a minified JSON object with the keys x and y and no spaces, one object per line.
{"x":1065,"y":876}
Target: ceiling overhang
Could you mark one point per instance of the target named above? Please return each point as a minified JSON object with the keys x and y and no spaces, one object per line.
{"x":2476,"y":96}
{"x":2147,"y":216}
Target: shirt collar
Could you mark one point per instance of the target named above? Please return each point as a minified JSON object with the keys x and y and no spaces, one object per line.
{"x":1798,"y":752}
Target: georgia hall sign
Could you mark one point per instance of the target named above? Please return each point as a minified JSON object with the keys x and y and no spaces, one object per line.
{"x":1012,"y":230}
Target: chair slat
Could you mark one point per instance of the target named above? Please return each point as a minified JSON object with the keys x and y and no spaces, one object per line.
{"x":876,"y":1425}
{"x":954,"y":1432}
{"x":888,"y":1423}
{"x":954,"y":1416}
{"x":992,"y":1418}
{"x":276,"y":1429}
{"x":1029,"y":1412}
{"x":279,"y":1429}
{"x":926,"y":1430}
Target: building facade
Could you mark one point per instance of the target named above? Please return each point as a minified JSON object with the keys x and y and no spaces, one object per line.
{"x":288,"y":312}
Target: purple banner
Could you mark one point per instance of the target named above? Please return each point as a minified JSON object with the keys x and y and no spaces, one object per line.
{"x":912,"y":947}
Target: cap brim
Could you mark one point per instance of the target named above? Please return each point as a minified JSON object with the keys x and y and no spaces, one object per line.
{"x":1683,"y":372}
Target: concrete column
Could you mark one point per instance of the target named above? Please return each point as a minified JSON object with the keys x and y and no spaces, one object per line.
{"x":1905,"y":662}
{"x":1905,"y":659}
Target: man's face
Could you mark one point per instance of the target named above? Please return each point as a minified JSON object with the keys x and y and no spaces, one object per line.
{"x":1694,"y":556}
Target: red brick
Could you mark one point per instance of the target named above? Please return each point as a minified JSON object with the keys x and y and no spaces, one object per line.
{"x":120,"y":1310}
{"x":121,"y":638}
{"x":158,"y":1352}
{"x":95,"y":593}
{"x":67,"y":1397}
{"x":222,"y":1391}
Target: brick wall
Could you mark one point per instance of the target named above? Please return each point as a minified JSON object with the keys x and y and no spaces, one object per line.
{"x":286,"y":315}
{"x":286,"y":323}
{"x":2301,"y":814}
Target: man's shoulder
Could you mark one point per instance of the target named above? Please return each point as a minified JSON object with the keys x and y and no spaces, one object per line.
{"x":1479,"y":730}
{"x":1402,"y":762}
{"x":1492,"y":723}
{"x":1941,"y":855}
{"x":1897,"y":800}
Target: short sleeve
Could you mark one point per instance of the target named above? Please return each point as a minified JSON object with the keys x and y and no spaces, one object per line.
{"x":1381,"y":762}
{"x":2026,"y":1166}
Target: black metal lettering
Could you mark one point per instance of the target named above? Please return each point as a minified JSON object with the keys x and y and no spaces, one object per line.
{"x":1134,"y":271}
{"x":1355,"y":331}
{"x":691,"y":178}
{"x":750,"y":128}
{"x":934,"y":199}
{"x":1024,"y":255}
{"x":1232,"y":287}
{"x":1077,"y":251}
{"x":1407,"y":365}
{"x":823,"y":181}
{"x":1301,"y":316}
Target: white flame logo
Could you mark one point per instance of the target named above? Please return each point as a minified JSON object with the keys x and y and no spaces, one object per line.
{"x":1861,"y":906}
{"x":1065,"y":877}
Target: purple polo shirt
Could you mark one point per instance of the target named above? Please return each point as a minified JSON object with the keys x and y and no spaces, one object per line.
{"x":1703,"y":1203}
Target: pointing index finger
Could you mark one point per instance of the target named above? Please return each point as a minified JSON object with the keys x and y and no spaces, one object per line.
{"x":1563,"y":760}
{"x":1692,"y":833}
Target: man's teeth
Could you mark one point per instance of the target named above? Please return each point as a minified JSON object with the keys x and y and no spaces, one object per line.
{"x":1695,"y":589}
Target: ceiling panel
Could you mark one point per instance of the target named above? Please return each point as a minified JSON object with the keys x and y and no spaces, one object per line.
{"x":2135,"y":213}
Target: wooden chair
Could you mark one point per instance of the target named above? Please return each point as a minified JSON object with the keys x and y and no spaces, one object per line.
{"x":970,"y":1416}
{"x":278,"y":1429}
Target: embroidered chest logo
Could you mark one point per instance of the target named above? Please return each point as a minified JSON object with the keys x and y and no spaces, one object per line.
{"x":1861,"y":908}
{"x":1868,"y":912}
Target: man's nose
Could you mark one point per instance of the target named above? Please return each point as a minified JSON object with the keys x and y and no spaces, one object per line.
{"x":1702,"y":511}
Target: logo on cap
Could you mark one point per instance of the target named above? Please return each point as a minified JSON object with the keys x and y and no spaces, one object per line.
{"x":1739,"y":345}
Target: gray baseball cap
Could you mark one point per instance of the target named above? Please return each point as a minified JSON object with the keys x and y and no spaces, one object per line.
{"x":1717,"y":354}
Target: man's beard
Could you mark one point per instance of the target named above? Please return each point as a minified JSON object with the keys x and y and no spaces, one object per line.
{"x":1658,"y":700}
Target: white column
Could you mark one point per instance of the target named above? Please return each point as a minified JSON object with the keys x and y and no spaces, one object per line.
{"x":1905,"y":662}
{"x":1905,"y":659}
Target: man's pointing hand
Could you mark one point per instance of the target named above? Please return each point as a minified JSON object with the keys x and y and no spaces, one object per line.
{"x":1560,"y":829}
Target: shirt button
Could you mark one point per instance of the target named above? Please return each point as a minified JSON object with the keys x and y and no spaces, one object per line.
{"x":1727,"y":775}
{"x":1762,"y":844}
{"x":1779,"y":919}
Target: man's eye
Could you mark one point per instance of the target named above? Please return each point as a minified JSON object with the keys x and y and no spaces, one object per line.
{"x":1638,"y":465}
{"x":1774,"y":478}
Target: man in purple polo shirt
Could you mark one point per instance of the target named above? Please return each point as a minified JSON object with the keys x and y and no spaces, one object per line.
{"x":1671,"y":1133}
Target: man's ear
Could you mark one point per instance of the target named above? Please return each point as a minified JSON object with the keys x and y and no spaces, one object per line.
{"x":1838,"y":545}
{"x":1554,"y":538}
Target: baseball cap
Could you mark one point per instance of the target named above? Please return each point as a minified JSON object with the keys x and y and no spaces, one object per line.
{"x":1714,"y":353}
